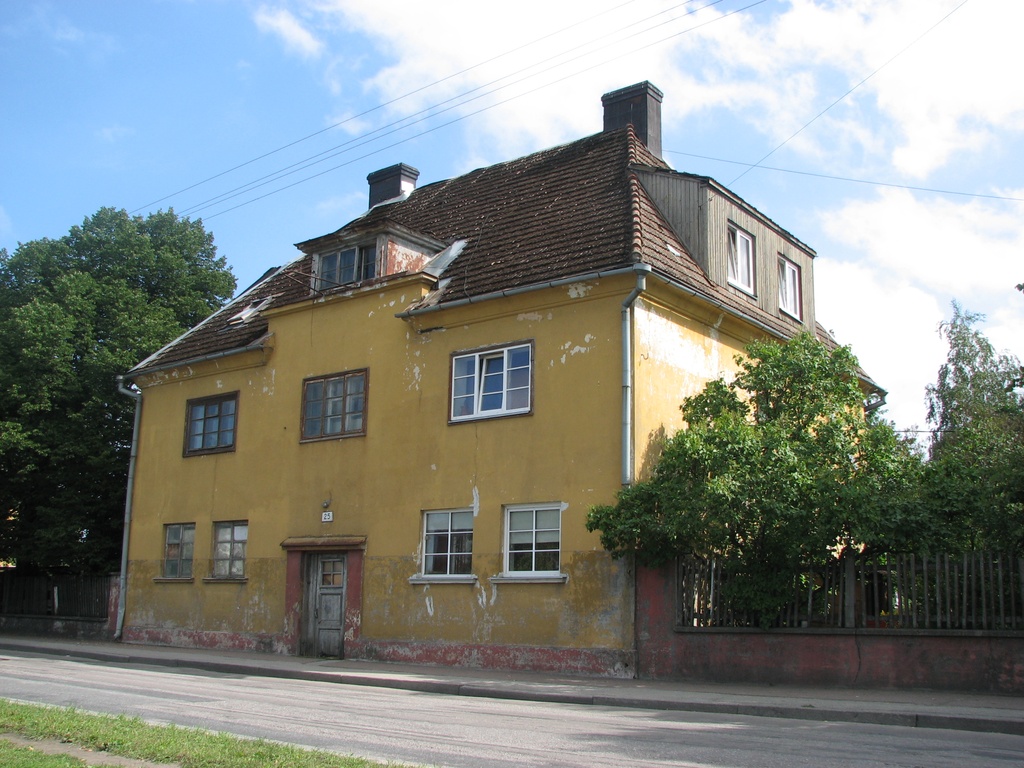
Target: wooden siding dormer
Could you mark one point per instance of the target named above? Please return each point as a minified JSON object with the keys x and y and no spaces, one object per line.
{"x":701,"y":212}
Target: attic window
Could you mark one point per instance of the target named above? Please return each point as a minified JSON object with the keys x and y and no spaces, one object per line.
{"x":250,"y":311}
{"x":349,"y":265}
{"x":741,"y":260}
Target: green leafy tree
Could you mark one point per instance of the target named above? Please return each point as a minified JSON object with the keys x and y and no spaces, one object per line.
{"x":776,"y":469}
{"x":975,"y":474}
{"x":74,"y":313}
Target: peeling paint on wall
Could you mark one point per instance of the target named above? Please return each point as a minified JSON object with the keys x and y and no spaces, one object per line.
{"x":571,"y":350}
{"x":579,"y":290}
{"x":670,"y":342}
{"x":534,"y":317}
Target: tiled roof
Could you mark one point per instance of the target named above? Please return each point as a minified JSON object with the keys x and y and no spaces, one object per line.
{"x":575,"y":209}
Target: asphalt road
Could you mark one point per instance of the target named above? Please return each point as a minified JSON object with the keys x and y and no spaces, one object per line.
{"x":432,"y":729}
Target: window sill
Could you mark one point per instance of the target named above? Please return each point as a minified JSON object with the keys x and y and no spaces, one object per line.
{"x":490,"y":416}
{"x":224,"y":580}
{"x":746,"y":291}
{"x":328,"y":438}
{"x":174,"y":580}
{"x":208,"y":452}
{"x":529,"y":578}
{"x":440,"y":579}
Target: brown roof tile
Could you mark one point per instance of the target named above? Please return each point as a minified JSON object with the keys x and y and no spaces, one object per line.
{"x":571,"y":210}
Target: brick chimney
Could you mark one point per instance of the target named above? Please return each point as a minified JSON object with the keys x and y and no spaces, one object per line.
{"x":391,"y":182}
{"x":637,"y":105}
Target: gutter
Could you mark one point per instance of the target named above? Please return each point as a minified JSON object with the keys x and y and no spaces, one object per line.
{"x":409,"y":313}
{"x":138,"y":370}
{"x":123,"y":578}
{"x":642,"y":271}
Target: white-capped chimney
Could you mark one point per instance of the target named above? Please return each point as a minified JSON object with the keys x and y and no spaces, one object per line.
{"x":391,"y":182}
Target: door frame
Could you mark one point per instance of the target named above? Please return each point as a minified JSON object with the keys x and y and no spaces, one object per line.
{"x":298,"y":548}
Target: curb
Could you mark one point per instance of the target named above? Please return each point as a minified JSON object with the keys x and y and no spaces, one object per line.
{"x":911,"y":718}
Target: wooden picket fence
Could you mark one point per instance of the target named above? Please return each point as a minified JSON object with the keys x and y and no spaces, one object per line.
{"x":975,"y":591}
{"x":65,"y":596}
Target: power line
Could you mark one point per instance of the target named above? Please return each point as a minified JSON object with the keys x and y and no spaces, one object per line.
{"x":249,"y":187}
{"x":401,"y":98}
{"x":422,"y":115}
{"x":858,"y":85}
{"x":853,"y":180}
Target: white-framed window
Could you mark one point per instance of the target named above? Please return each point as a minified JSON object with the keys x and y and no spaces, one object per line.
{"x":741,"y":259}
{"x":229,"y":543}
{"x":210,"y":424}
{"x":492,"y":382}
{"x":334,"y":405}
{"x":448,"y":543}
{"x":789,"y":287}
{"x":533,"y":539}
{"x":349,"y":265}
{"x":179,"y":542}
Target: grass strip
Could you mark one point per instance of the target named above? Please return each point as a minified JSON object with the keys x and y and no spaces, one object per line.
{"x":21,"y":757}
{"x":188,"y":747}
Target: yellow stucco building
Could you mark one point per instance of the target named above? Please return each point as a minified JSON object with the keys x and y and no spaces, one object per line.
{"x":387,"y":448}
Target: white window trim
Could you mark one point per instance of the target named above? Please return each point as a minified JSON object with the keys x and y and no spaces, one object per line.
{"x":507,"y":574}
{"x":439,"y":578}
{"x":737,"y":235}
{"x":787,"y":268}
{"x":478,"y":359}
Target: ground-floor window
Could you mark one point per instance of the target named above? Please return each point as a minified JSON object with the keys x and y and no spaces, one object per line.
{"x":229,"y":543}
{"x":533,"y":540}
{"x":448,"y":543}
{"x":179,"y":540}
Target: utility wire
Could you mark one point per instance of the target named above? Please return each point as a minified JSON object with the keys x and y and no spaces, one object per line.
{"x":852,"y":180}
{"x":422,"y":115}
{"x":397,"y":99}
{"x":858,"y":85}
{"x":491,"y":106}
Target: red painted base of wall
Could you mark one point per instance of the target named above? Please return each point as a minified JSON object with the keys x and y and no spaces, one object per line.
{"x":568,"y":661}
{"x":968,"y":661}
{"x":224,"y":641}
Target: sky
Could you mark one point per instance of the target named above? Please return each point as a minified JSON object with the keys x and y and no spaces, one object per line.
{"x":888,"y":135}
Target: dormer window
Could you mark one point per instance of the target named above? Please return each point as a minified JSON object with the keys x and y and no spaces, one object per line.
{"x":789,"y":287}
{"x":741,"y":260}
{"x":349,"y":265}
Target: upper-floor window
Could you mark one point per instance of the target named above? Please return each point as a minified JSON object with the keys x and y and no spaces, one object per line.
{"x":448,"y":543}
{"x":210,"y":424}
{"x":229,"y":544}
{"x":533,"y":537}
{"x":349,"y":265}
{"x":334,"y":405}
{"x":492,"y":382}
{"x":741,"y":259}
{"x":179,"y":540}
{"x":789,"y":287}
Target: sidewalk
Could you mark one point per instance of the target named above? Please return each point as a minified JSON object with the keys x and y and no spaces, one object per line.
{"x":920,"y":709}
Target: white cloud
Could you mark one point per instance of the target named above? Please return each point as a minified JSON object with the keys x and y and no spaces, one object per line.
{"x":922,"y":101}
{"x":112,"y":134}
{"x":970,"y":250}
{"x":293,"y":34}
{"x":892,"y":327}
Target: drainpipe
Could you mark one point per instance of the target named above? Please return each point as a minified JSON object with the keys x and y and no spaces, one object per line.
{"x":642,"y":270}
{"x":123,"y":581}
